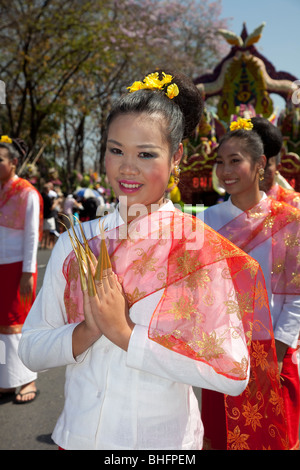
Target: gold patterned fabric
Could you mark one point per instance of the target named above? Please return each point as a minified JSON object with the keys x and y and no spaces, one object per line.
{"x":213,"y":305}
{"x":280,"y":222}
{"x":289,"y":196}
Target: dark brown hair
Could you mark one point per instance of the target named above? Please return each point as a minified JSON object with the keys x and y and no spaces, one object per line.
{"x":270,"y":135}
{"x":17,"y":149}
{"x":181,"y":114}
{"x":251,"y":142}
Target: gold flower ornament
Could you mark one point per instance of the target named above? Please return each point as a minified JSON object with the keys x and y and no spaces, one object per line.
{"x":241,"y":123}
{"x":152,"y":82}
{"x":5,"y":139}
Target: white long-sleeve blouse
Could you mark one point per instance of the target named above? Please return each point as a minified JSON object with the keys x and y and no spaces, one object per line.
{"x":139,"y":399}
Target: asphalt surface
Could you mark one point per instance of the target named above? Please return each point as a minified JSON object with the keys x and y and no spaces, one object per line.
{"x":29,"y":427}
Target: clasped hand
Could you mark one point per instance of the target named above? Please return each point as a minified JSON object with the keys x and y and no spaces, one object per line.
{"x":106,"y":313}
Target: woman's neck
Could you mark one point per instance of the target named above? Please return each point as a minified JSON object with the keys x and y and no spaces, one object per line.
{"x":3,"y":182}
{"x":245,"y":201}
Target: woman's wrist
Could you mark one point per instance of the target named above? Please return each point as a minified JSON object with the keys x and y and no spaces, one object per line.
{"x":83,"y":338}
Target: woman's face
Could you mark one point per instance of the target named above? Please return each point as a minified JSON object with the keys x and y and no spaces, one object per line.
{"x":7,"y":166}
{"x":137,"y":159}
{"x":236,"y":170}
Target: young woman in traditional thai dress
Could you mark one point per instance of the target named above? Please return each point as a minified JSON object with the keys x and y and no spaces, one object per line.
{"x":269,"y":231}
{"x":19,"y":234}
{"x":136,"y":337}
{"x":272,"y":141}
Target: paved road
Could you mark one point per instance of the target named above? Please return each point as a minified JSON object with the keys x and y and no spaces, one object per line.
{"x":29,"y":427}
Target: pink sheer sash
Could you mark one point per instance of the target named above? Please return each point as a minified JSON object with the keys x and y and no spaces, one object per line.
{"x":281,"y":223}
{"x":213,"y":304}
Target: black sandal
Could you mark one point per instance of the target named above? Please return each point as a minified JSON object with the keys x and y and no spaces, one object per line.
{"x":21,"y":402}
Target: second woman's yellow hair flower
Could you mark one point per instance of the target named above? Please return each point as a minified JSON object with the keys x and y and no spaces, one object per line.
{"x":6,"y":139}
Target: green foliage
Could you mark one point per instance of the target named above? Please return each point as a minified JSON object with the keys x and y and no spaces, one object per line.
{"x":64,"y":61}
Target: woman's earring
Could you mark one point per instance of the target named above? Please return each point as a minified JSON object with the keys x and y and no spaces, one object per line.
{"x":176,"y":173}
{"x":261,"y":173}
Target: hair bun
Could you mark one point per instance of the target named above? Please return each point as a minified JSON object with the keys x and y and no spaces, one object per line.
{"x":22,"y":148}
{"x":270,"y":135}
{"x":189,"y":100}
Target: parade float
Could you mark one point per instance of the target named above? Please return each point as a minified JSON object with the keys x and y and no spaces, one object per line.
{"x":241,"y":84}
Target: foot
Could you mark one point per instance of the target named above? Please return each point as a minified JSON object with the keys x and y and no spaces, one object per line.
{"x":26,"y":393}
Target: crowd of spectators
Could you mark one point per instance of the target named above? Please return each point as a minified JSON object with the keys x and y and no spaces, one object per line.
{"x":76,"y":207}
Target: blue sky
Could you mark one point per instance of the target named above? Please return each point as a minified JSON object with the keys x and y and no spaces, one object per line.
{"x":280,"y":41}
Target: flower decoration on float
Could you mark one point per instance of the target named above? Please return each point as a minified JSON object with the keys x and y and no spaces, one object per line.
{"x":153,"y":82}
{"x":5,"y":139}
{"x":241,"y":123}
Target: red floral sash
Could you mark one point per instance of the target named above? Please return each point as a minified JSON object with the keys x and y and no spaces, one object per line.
{"x":213,"y":303}
{"x":13,"y":204}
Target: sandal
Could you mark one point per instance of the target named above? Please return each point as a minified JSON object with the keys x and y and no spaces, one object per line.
{"x":21,"y":402}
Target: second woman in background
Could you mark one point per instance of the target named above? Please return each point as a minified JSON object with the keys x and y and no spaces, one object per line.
{"x":269,"y":231}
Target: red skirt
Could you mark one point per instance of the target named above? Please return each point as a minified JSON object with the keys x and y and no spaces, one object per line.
{"x":213,"y":408}
{"x":291,"y":396}
{"x":14,"y":309}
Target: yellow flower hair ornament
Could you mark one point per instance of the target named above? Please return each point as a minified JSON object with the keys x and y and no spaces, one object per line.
{"x":241,"y":123}
{"x":5,"y":139}
{"x":152,"y":82}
